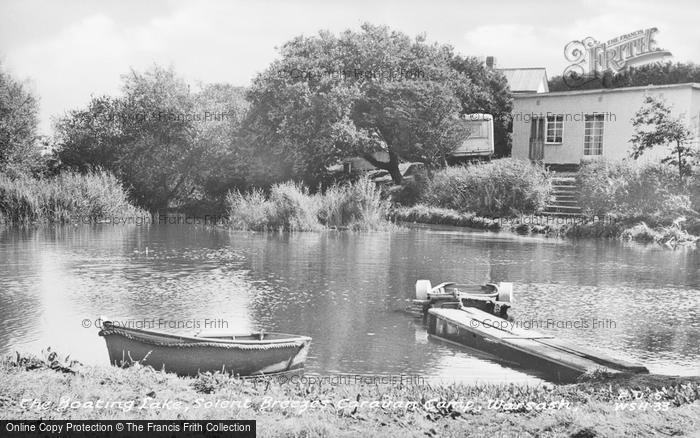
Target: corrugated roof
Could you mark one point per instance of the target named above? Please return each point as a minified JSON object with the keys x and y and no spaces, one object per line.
{"x":525,"y":79}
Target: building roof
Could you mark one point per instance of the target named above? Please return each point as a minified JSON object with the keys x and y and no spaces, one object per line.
{"x":523,"y":80}
{"x":691,"y":85}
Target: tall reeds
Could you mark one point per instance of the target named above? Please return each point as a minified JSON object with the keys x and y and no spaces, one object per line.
{"x":66,"y":198}
{"x":290,"y":207}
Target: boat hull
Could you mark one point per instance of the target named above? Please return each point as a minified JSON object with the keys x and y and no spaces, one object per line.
{"x":189,"y":356}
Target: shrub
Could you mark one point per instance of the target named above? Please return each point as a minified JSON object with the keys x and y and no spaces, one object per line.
{"x":631,"y":190}
{"x":63,"y":198}
{"x":410,"y":192}
{"x":694,"y":191}
{"x":499,"y":188}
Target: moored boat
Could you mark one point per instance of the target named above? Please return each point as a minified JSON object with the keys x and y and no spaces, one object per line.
{"x":244,"y":355}
{"x":495,"y":298}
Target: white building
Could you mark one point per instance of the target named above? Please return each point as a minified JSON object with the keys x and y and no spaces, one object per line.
{"x":568,"y":127}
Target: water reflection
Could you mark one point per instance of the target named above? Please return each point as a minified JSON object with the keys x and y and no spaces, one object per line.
{"x":345,"y":290}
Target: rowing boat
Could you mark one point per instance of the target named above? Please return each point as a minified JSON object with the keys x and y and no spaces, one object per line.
{"x":242,"y":355}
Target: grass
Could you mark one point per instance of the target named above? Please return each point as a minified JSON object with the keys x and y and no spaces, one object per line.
{"x":66,"y":198}
{"x":443,"y":216}
{"x":290,"y":207}
{"x":56,"y":388}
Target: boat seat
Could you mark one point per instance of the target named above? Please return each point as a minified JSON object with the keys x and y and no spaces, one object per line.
{"x":218,"y":334}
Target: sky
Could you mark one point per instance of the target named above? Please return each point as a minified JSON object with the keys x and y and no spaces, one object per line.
{"x":70,"y":50}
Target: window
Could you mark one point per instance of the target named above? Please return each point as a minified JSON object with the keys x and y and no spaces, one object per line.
{"x":554,"y":128}
{"x":593,"y":134}
{"x":477,"y":129}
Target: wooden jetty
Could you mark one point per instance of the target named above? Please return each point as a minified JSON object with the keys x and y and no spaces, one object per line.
{"x":484,"y":328}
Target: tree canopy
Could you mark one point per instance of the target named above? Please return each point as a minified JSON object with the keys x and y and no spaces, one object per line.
{"x":332,"y":97}
{"x":18,"y":124}
{"x":165,"y":142}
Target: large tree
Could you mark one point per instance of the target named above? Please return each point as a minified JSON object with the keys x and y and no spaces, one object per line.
{"x":18,"y":125}
{"x":376,"y":90}
{"x":168,"y":144}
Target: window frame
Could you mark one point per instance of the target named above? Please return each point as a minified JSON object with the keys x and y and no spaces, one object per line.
{"x":554,"y":122}
{"x":589,"y":132}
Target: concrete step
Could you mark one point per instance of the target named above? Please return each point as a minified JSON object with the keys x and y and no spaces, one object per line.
{"x":562,"y":208}
{"x":560,"y":213}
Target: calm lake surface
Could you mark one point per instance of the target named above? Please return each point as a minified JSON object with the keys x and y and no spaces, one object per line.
{"x":346,"y":291}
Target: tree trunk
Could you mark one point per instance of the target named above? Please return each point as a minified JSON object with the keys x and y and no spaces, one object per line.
{"x":392,"y":166}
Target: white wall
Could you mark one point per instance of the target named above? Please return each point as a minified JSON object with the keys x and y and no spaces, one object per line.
{"x":621,"y":104}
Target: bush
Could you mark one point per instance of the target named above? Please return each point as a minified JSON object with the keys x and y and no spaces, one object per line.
{"x":290,"y":207}
{"x":410,"y":192}
{"x":63,"y":198}
{"x":499,"y":188}
{"x":630,"y":190}
{"x":694,"y":191}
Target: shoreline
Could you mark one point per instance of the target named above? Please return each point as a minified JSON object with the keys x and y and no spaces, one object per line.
{"x":551,"y":226}
{"x":599,"y":405}
{"x":544,"y":225}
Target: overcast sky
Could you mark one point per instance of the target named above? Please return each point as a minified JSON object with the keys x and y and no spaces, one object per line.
{"x":71,"y":49}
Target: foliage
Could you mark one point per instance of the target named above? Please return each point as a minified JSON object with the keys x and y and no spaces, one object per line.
{"x":65,"y":198}
{"x":290,"y":207}
{"x":654,"y":126}
{"x":356,"y":206}
{"x":694,"y":190}
{"x":631,"y":190}
{"x":19,"y":151}
{"x":410,"y":192}
{"x":49,"y":360}
{"x":169,"y":145}
{"x":333,"y":97}
{"x":501,"y":187}
{"x":658,"y":73}
{"x":425,"y":214}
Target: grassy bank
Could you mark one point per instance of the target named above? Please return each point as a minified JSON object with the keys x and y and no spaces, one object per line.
{"x":598,"y":406}
{"x":291,"y":207}
{"x":66,"y":198}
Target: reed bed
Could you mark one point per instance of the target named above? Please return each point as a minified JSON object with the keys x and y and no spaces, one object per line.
{"x":66,"y":198}
{"x":291,"y":207}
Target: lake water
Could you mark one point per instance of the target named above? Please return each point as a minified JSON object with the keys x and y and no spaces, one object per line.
{"x":346,"y":291}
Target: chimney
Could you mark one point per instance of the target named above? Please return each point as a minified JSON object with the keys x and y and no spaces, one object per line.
{"x":491,"y":61}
